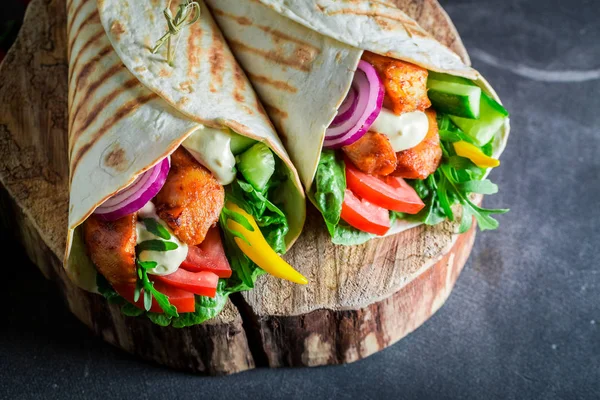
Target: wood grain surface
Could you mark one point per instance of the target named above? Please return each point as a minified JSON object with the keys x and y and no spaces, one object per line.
{"x":360,"y":300}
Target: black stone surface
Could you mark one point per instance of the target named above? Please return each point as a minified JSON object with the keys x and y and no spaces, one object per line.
{"x":524,"y":318}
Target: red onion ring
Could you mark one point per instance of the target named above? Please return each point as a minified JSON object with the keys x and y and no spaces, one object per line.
{"x":137,"y":195}
{"x":347,"y":108}
{"x":369,"y":89}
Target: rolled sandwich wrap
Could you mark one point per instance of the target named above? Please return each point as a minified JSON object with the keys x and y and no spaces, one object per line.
{"x":133,"y":115}
{"x":302,"y":58}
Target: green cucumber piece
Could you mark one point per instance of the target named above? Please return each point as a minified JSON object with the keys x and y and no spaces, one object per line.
{"x":257,"y":165}
{"x":491,"y":118}
{"x":454,"y":98}
{"x":240,"y":143}
{"x":495,"y":105}
{"x":437,"y":76}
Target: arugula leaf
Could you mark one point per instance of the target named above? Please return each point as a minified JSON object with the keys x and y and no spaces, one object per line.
{"x":482,"y":215}
{"x":156,"y":228}
{"x":329,"y":188}
{"x":150,"y":292}
{"x":482,"y":187}
{"x":155,"y":245}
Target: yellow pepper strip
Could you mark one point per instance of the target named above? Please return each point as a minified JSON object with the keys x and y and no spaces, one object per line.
{"x":259,"y":250}
{"x":474,"y":153}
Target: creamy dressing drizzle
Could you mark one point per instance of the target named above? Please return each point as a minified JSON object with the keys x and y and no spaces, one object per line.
{"x":405,"y":131}
{"x":212,"y":148}
{"x":168,"y":261}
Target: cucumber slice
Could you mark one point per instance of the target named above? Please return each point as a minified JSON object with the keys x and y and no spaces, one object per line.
{"x":454,"y":98}
{"x":257,"y":165}
{"x":437,"y":76}
{"x":491,"y":119}
{"x":240,"y":143}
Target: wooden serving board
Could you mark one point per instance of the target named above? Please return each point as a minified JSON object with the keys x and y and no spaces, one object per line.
{"x":360,"y":299}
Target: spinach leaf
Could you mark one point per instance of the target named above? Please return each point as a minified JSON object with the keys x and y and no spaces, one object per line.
{"x":328,"y":189}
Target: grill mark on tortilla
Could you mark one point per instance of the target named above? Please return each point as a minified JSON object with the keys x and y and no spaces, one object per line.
{"x":372,"y":13}
{"x":93,"y":114}
{"x":247,"y":109}
{"x":274,"y":56}
{"x":75,"y":14}
{"x":89,"y":19}
{"x":89,"y":66}
{"x":87,"y":44}
{"x":240,"y":84}
{"x":91,"y":90}
{"x":165,"y":73}
{"x":277,"y":34}
{"x":116,"y":159}
{"x":217,"y":61}
{"x":281,"y":85}
{"x":69,"y":7}
{"x":194,"y":51}
{"x":274,"y":110}
{"x":117,"y":29}
{"x":121,"y":113}
{"x":237,"y":18}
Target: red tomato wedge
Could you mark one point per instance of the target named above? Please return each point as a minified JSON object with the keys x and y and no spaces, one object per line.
{"x":183,"y":300}
{"x":365,"y":216}
{"x":208,"y":256}
{"x":203,"y":283}
{"x":391,"y":192}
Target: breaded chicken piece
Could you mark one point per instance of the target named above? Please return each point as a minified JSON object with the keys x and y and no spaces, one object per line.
{"x":423,"y":159}
{"x":191,"y":199}
{"x":372,"y":154}
{"x":405,"y":84}
{"x":111,"y":246}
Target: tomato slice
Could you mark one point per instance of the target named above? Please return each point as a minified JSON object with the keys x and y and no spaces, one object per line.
{"x":365,"y":216}
{"x":183,"y":300}
{"x":208,"y":256}
{"x":203,"y":283}
{"x":391,"y":192}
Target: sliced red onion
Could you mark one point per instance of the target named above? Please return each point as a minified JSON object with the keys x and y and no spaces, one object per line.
{"x":347,"y":108}
{"x":369,"y":90}
{"x":136,"y":195}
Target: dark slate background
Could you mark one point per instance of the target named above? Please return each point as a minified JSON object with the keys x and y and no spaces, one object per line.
{"x":524,"y":318}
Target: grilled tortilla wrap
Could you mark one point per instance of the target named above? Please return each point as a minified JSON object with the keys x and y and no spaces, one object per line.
{"x":301,"y":57}
{"x":129,"y":109}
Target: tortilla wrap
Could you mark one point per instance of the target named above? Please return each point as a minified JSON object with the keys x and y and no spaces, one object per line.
{"x":301,"y":57}
{"x":128,"y":109}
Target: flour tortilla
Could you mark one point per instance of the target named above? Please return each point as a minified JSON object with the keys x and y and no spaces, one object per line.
{"x":301,"y":57}
{"x":128,"y":109}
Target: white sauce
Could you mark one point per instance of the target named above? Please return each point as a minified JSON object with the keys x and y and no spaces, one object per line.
{"x":212,"y":148}
{"x":168,"y":261}
{"x":405,"y":131}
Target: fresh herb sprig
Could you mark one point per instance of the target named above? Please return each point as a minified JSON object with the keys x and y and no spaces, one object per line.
{"x":453,"y":182}
{"x":144,"y":284}
{"x":187,"y":10}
